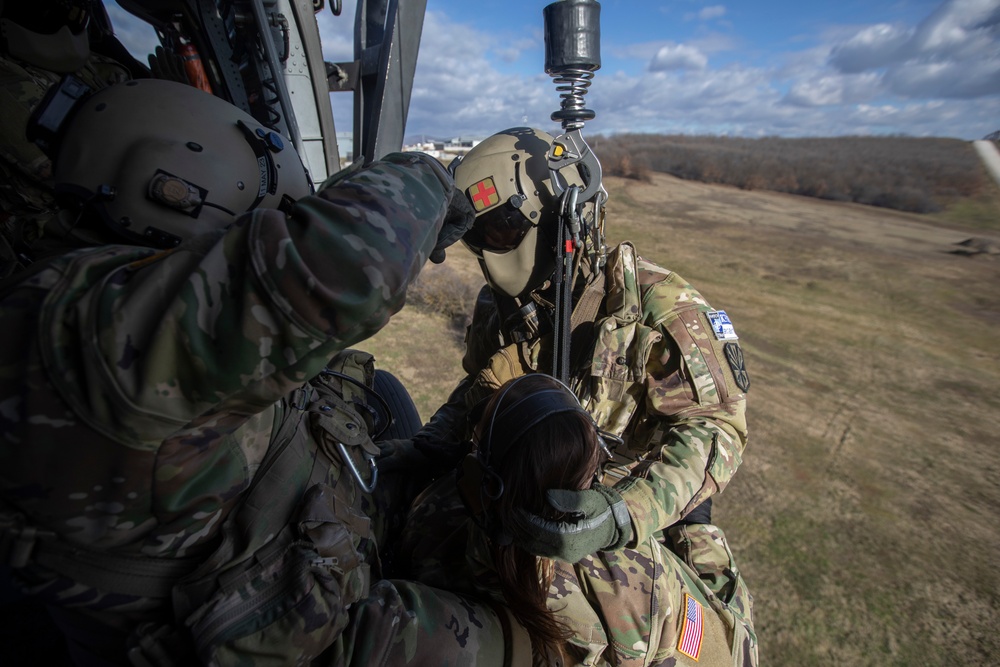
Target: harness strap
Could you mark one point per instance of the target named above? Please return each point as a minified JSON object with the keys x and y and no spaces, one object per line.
{"x":589,"y":303}
{"x":128,"y":575}
{"x":582,"y":320}
{"x":516,"y":640}
{"x":142,"y":576}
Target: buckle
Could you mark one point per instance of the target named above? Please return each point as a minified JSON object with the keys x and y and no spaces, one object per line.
{"x":17,"y":541}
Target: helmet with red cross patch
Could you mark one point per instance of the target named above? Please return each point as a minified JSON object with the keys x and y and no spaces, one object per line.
{"x":507,"y":179}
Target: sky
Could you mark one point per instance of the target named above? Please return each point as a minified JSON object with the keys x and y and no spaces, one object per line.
{"x":750,"y":68}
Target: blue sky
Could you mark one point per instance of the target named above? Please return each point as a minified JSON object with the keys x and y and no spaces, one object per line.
{"x":751,"y":68}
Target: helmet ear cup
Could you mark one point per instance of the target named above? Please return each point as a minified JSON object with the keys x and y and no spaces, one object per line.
{"x":167,"y":162}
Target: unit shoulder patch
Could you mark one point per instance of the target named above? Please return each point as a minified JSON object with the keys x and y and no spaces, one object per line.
{"x":734,"y":355}
{"x":721,"y":325}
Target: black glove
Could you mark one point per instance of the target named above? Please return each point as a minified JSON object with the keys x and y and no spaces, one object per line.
{"x":457,"y":220}
{"x":460,"y":215}
{"x":167,"y":65}
{"x":418,"y":456}
{"x":597,"y":520}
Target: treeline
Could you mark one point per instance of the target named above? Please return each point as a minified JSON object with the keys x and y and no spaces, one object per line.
{"x":904,"y":173}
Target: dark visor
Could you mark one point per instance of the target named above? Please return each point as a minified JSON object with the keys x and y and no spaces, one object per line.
{"x":499,"y":230}
{"x":48,"y":17}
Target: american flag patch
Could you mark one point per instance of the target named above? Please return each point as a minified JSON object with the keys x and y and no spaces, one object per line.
{"x":691,"y":631}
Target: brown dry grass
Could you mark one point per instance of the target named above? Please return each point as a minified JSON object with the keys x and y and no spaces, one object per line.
{"x":865,"y":515}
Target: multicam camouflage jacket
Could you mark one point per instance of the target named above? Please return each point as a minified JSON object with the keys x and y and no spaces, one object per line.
{"x":140,"y":391}
{"x":680,"y":602}
{"x":665,"y":372}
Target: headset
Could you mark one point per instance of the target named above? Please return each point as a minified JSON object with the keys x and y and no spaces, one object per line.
{"x":509,"y":421}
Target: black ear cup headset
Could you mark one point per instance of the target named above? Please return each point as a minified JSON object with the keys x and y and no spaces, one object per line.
{"x":509,"y":421}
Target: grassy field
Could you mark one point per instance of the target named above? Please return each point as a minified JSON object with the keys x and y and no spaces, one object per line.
{"x":866,"y":516}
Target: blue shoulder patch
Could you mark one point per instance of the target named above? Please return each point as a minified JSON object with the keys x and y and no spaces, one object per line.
{"x":721,"y":326}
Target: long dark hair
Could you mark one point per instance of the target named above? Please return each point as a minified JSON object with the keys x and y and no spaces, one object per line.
{"x":559,"y":452}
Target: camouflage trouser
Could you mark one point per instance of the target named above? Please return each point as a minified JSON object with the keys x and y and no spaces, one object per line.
{"x":703,"y":547}
{"x":405,"y":623}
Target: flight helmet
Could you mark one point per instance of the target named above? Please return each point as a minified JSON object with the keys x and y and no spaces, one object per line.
{"x":507,"y":180}
{"x":50,"y":34}
{"x":160,"y":162}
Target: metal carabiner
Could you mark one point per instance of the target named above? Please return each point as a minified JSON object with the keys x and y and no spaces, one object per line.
{"x":357,"y":473}
{"x":571,"y":149}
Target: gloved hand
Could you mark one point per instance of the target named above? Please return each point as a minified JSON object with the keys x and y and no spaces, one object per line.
{"x":419,"y":456}
{"x":167,"y":65}
{"x":457,"y":220}
{"x":597,"y":520}
{"x":460,"y":215}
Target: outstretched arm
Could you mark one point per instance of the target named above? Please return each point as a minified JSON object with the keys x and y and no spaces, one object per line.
{"x":236,"y":319}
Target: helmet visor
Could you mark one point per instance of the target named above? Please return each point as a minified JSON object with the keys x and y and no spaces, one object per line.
{"x":48,"y":16}
{"x":500,"y":230}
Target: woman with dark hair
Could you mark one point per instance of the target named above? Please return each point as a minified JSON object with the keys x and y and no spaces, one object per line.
{"x":682,"y":605}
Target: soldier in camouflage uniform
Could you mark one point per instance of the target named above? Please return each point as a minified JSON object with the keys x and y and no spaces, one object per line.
{"x":163,"y":354}
{"x":652,"y":361}
{"x":644,"y":605}
{"x":42,"y":41}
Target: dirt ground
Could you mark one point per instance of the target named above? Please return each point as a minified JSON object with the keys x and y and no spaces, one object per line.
{"x":865,"y":513}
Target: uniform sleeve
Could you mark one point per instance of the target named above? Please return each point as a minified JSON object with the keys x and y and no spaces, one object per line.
{"x":233,"y":321}
{"x":694,"y":426}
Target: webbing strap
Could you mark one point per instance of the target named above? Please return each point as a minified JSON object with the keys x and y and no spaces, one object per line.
{"x":21,"y":544}
{"x":516,"y":640}
{"x":588,"y":303}
{"x":128,"y":575}
{"x":582,"y":320}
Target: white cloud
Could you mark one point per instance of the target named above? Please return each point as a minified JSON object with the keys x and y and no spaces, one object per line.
{"x":939,"y":77}
{"x":678,"y":57}
{"x":681,"y":92}
{"x":713,"y":12}
{"x":834,"y":89}
{"x":468,"y":95}
{"x":953,"y":53}
{"x":337,"y":34}
{"x":513,"y":51}
{"x":872,"y":47}
{"x":137,"y":37}
{"x":945,"y":79}
{"x":705,"y":44}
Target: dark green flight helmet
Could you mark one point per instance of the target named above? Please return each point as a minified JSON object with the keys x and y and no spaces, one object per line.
{"x":161,"y":162}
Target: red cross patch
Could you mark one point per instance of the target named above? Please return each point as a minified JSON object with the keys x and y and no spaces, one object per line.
{"x":483,"y":194}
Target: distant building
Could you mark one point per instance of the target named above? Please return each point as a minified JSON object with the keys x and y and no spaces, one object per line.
{"x":444,"y":150}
